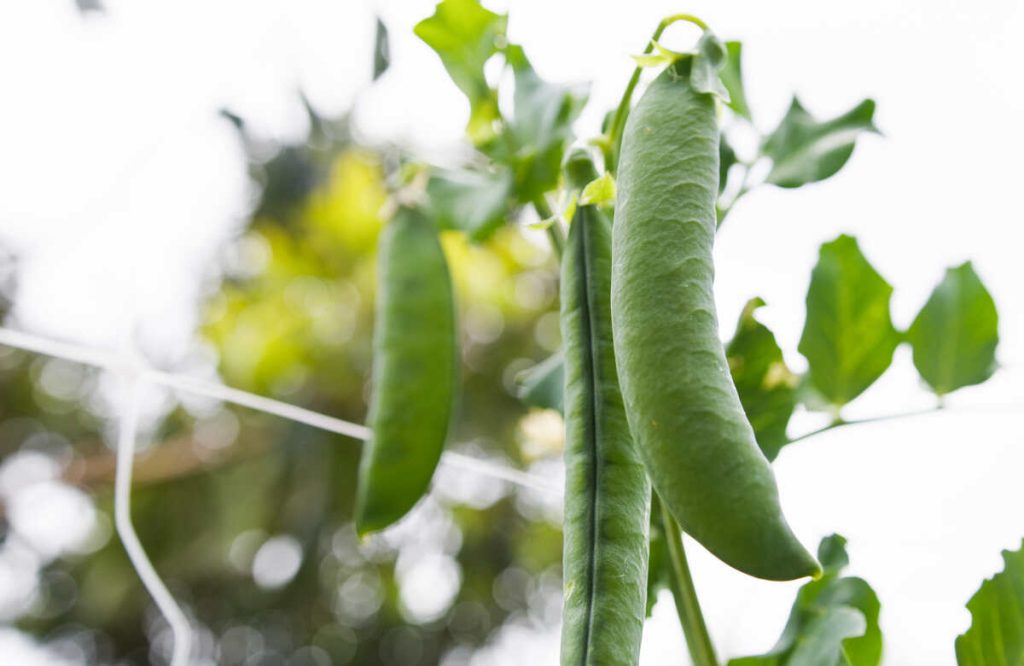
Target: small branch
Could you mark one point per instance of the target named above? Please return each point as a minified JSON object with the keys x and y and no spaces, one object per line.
{"x":942,"y":407}
{"x":702,"y":652}
{"x":745,"y":187}
{"x":724,"y":212}
{"x":873,"y":419}
{"x":555,"y":233}
{"x":173,"y":459}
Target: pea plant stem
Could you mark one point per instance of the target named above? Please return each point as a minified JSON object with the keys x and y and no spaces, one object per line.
{"x":1012,"y":408}
{"x":745,"y":189}
{"x":839,"y":423}
{"x":555,"y":233}
{"x":698,"y":641}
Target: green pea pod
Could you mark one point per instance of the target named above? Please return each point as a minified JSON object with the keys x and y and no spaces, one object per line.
{"x":683,"y":408}
{"x":607,"y":493}
{"x":414,"y":371}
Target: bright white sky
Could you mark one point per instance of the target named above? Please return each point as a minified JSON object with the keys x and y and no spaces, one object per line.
{"x":119,"y":184}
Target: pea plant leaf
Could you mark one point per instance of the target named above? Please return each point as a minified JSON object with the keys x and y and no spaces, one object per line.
{"x":656,"y":59}
{"x":766,"y":385}
{"x":955,"y":334}
{"x":996,"y":634}
{"x":848,"y":338}
{"x":541,"y":385}
{"x":475,"y":202}
{"x":465,"y":35}
{"x":381,"y":50}
{"x":732,"y":77}
{"x":600,"y":191}
{"x":834,"y":620}
{"x":541,"y":127}
{"x":804,"y":150}
{"x":726,"y":159}
{"x":708,"y":61}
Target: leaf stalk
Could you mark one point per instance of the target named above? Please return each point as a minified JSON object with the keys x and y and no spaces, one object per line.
{"x":698,"y":641}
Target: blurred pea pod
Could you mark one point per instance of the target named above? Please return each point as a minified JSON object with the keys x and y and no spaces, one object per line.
{"x":414,"y":371}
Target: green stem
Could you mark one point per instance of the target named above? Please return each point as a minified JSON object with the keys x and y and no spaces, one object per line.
{"x":702,"y":652}
{"x":839,"y":422}
{"x":724,"y":212}
{"x":555,"y":233}
{"x":745,"y":187}
{"x":619,"y":119}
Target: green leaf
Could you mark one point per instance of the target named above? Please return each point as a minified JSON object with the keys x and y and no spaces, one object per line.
{"x":726,"y":158}
{"x":600,"y":191}
{"x":541,"y":386}
{"x":834,"y":620}
{"x":766,"y":385}
{"x":381,"y":50}
{"x":647,"y":60}
{"x":670,"y":55}
{"x":825,"y":634}
{"x":568,"y":207}
{"x":541,"y":128}
{"x":465,"y":35}
{"x":708,"y":61}
{"x":996,"y":634}
{"x":732,"y":77}
{"x":484,"y":118}
{"x":475,"y":202}
{"x":848,"y":337}
{"x":541,"y":225}
{"x":804,"y":150}
{"x":955,"y":334}
{"x":659,"y":57}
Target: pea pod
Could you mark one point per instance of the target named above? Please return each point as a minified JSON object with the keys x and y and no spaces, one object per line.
{"x":684,"y":412}
{"x":414,"y":371}
{"x":607,"y":494}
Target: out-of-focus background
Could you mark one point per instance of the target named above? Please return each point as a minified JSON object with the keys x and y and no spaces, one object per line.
{"x":200,"y":182}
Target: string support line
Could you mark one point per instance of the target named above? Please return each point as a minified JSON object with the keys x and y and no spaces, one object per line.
{"x":181,"y":630}
{"x":124,"y":364}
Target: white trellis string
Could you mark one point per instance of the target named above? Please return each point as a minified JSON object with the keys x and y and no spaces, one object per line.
{"x":169,"y":608}
{"x":123,"y":364}
{"x":259,"y":403}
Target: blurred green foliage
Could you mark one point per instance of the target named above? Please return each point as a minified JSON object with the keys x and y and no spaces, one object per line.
{"x":293,"y":320}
